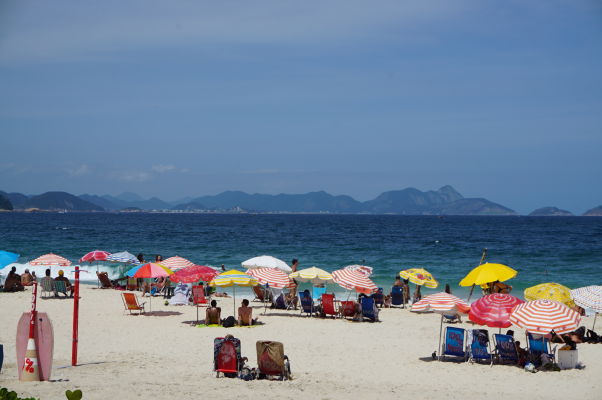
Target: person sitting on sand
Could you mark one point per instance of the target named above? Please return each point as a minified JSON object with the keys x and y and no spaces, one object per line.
{"x":499,"y":287}
{"x":68,"y":285}
{"x":245,"y":314}
{"x":26,"y":278}
{"x":213,"y":314}
{"x":13,"y":281}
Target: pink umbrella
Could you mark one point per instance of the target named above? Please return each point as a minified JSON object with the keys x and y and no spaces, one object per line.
{"x":96,"y":255}
{"x":194,"y":274}
{"x":364,"y":269}
{"x":51,"y":260}
{"x":443,"y":303}
{"x":152,"y":270}
{"x":354,"y":280}
{"x":271,"y":276}
{"x":493,"y":310}
{"x":176,"y":263}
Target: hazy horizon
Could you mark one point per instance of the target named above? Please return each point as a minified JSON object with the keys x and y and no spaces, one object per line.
{"x":500,"y":100}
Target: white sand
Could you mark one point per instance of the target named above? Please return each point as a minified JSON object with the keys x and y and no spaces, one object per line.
{"x":162,"y":356}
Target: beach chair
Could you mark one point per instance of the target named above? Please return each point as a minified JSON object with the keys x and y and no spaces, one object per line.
{"x":262,"y":294}
{"x":539,"y":346}
{"x":226,"y":356}
{"x":369,"y":309}
{"x":453,"y":343}
{"x":479,"y":346}
{"x":280,"y":303}
{"x":505,"y":350}
{"x":60,"y":287}
{"x":317,"y":292}
{"x":47,"y":284}
{"x":105,"y":282}
{"x":397,"y":299}
{"x":348,"y":309}
{"x":379,"y":298}
{"x":271,"y":360}
{"x":199,"y":299}
{"x":328,"y":307}
{"x":130,"y":302}
{"x":307,"y":303}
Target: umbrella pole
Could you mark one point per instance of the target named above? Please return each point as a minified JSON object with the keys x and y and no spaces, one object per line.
{"x":470,"y":294}
{"x":234,"y":299}
{"x":440,"y":332}
{"x":480,"y":263}
{"x":594,"y":325}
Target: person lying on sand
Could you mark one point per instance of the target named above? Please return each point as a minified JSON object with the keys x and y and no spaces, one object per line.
{"x":213,"y":314}
{"x":245,"y":314}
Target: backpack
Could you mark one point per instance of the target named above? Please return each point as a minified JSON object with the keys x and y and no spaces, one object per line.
{"x":229,"y":322}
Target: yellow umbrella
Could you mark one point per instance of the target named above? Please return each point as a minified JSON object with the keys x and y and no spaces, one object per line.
{"x":419,"y":276}
{"x":232,"y":279}
{"x":313,"y":275}
{"x":550,"y":291}
{"x":488,"y":272}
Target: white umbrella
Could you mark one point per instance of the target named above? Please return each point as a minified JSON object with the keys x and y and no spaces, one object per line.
{"x":267,"y":262}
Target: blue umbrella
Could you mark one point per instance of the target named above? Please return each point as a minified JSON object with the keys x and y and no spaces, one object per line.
{"x":123,"y":257}
{"x":132,"y":271}
{"x":6,"y":257}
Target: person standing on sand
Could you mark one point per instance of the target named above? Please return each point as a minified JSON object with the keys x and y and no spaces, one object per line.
{"x":417,"y":295}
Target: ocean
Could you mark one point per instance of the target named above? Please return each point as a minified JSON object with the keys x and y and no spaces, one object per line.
{"x":566,"y":250}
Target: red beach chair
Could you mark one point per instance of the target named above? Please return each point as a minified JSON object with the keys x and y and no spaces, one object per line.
{"x":226,"y":356}
{"x":271,"y":360}
{"x":328,"y":307}
{"x":348,"y":309}
{"x":199,"y":299}
{"x":130,"y":301}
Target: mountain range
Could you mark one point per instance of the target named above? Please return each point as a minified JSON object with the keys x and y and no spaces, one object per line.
{"x":409,"y":201}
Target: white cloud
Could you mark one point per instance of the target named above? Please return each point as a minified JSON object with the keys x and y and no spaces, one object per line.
{"x":162,"y":168}
{"x":135,"y":176}
{"x":81,"y":170}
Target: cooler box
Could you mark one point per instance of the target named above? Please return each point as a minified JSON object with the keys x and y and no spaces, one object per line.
{"x":567,"y":359}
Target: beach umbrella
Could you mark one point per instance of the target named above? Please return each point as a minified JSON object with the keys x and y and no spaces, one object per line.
{"x":493,"y":310}
{"x":589,"y":297}
{"x":487,"y":273}
{"x":232,"y":279}
{"x":149,"y":271}
{"x":123,"y":257}
{"x":96,"y":255}
{"x":550,"y":291}
{"x":442,"y":303}
{"x":176,"y":263}
{"x":354,"y":280}
{"x":51,"y":260}
{"x":543,"y":316}
{"x":193,"y":274}
{"x":266,"y":262}
{"x":419,"y":276}
{"x":273,"y":277}
{"x":6,"y":257}
{"x":364,"y":269}
{"x":313,"y":275}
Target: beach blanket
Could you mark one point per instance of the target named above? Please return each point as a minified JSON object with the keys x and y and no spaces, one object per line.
{"x":180,"y":296}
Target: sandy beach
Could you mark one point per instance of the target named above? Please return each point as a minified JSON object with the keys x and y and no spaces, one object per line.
{"x":161,"y":355}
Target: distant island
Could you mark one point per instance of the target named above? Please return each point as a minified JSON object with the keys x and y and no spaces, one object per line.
{"x":594,"y":212}
{"x":409,"y":201}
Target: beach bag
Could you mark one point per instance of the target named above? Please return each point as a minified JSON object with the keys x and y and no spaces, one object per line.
{"x":229,"y":322}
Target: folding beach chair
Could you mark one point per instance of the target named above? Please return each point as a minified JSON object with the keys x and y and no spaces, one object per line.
{"x":479,"y":346}
{"x":60,"y":287}
{"x":271,"y":360}
{"x":369,"y":309}
{"x":105,"y":282}
{"x":505,"y":349}
{"x":199,"y":299}
{"x":348,"y":309}
{"x":226,"y":356}
{"x":379,"y":298}
{"x":539,"y":346}
{"x":397,"y":299}
{"x":453,"y":344}
{"x":307,"y":303}
{"x":328,"y":307}
{"x":47,"y":284}
{"x":281,"y":304}
{"x":262,"y":294}
{"x":130,"y":302}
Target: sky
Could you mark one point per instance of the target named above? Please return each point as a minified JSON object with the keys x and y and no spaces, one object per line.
{"x":175,"y":99}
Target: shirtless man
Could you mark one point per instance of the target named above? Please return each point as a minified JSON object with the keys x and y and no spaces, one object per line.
{"x":213,"y":314}
{"x":499,"y":287}
{"x":245,"y":314}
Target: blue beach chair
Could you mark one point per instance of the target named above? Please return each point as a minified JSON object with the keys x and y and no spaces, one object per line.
{"x":307,"y":303}
{"x":397,"y":296}
{"x":479,"y":347}
{"x":505,"y":349}
{"x":453,"y":344}
{"x":379,"y":298}
{"x":369,"y":309}
{"x":540,"y":346}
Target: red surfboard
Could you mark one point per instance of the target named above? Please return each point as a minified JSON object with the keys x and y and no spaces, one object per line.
{"x":44,"y":338}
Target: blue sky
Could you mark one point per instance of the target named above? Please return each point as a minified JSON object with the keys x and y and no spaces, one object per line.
{"x":501,"y":99}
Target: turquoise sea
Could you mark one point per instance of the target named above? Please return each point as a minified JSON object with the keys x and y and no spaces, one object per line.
{"x":566,"y":250}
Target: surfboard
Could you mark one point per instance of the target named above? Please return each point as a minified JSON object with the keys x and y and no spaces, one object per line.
{"x":44,"y":338}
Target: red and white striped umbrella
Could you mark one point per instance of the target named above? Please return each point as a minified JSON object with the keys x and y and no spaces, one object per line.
{"x":443,"y":303}
{"x":493,"y":310}
{"x":364,"y":269}
{"x":354,"y":280}
{"x":96,"y":255}
{"x":176,"y":263}
{"x":51,"y":260}
{"x":543,"y":316}
{"x":271,"y":276}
